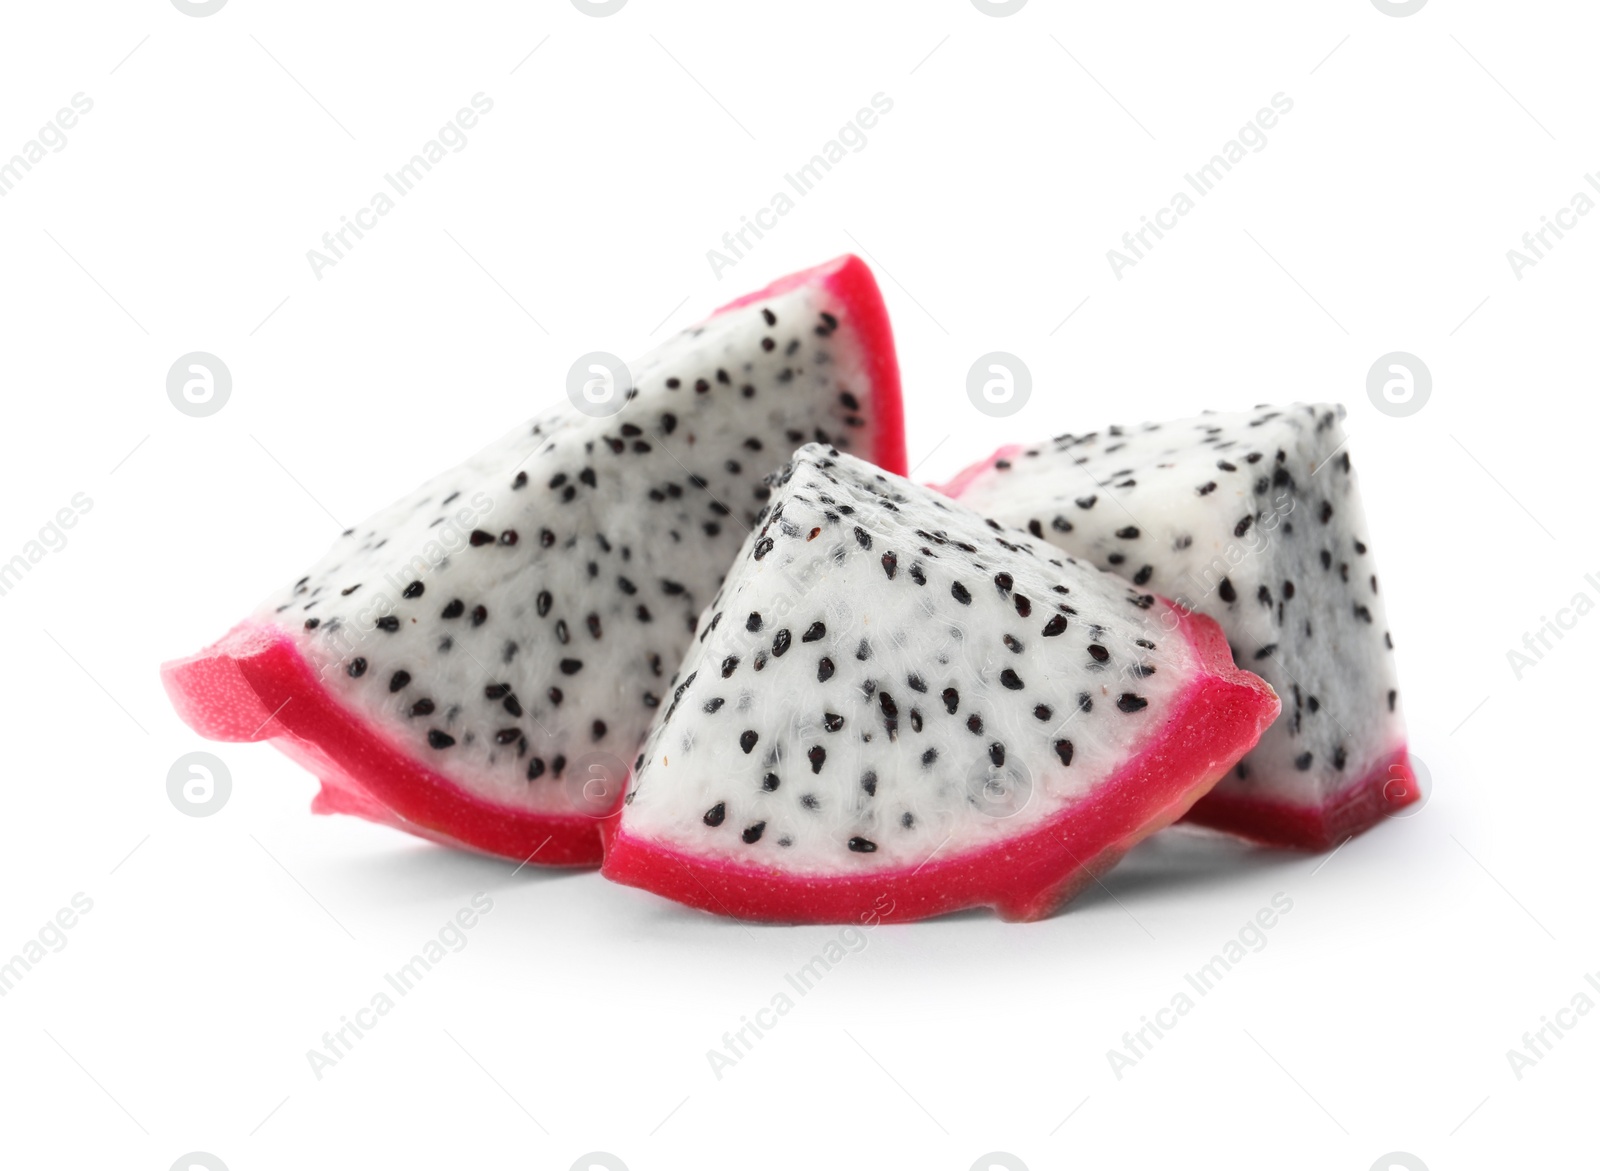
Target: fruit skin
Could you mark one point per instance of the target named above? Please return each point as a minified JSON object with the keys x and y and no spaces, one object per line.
{"x":1387,"y":782}
{"x":1028,"y":877}
{"x":255,"y":684}
{"x":1389,"y":787}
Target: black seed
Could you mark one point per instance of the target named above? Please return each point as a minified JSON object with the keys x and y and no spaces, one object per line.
{"x":1226,"y":466}
{"x":1339,"y":758}
{"x":389,"y":623}
{"x":952,"y":699}
{"x":815,"y":631}
{"x":780,"y":643}
{"x":769,"y":783}
{"x":1392,"y":696}
{"x":313,"y":623}
{"x":357,"y":668}
{"x":1064,"y":751}
{"x":479,"y":537}
{"x":975,"y":724}
{"x":1086,"y":501}
{"x":1012,"y":644}
{"x":414,"y":590}
{"x":1303,"y":761}
{"x":1009,"y":680}
{"x":929,"y":757}
{"x":535,"y":769}
{"x":862,"y":538}
{"x":1267,"y":651}
{"x":763,"y":547}
{"x":1085,"y":702}
{"x":1042,"y":711}
{"x":917,"y":575}
{"x":713,"y":705}
{"x":1024,"y":606}
{"x":752,"y":833}
{"x":1226,"y":591}
{"x":1003,"y":583}
{"x":997,"y":754}
{"x":890,"y":564}
{"x":1098,"y":653}
{"x":1325,"y":513}
{"x":729,"y":665}
{"x":512,"y":705}
{"x":1208,"y":487}
{"x":1129,"y":702}
{"x":457,"y":607}
{"x":438,"y":739}
{"x":1054,"y":627}
{"x":816,"y":756}
{"x":753,"y":623}
{"x":561,"y":632}
{"x":479,"y":614}
{"x":747,"y":740}
{"x":832,"y":722}
{"x":571,"y":666}
{"x":862,"y":845}
{"x":423,"y":707}
{"x":1129,"y":533}
{"x":959,"y":593}
{"x":824,"y":669}
{"x":555,"y":696}
{"x":521,"y":481}
{"x":509,"y":537}
{"x":507,"y":735}
{"x":398,"y":680}
{"x":713,"y":816}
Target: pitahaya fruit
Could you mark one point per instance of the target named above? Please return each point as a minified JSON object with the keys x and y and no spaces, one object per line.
{"x":456,"y":664}
{"x":896,"y":709}
{"x":1254,"y":519}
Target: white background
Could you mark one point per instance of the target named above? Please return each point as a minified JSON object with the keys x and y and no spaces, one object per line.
{"x":177,"y":218}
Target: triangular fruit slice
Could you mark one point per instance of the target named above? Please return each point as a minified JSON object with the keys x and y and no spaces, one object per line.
{"x":898,"y":709}
{"x":1254,"y":519}
{"x":475,"y":662}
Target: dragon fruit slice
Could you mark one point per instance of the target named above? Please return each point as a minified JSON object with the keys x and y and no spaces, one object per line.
{"x":1254,"y":519}
{"x":897,"y":709}
{"x":465,"y":663}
